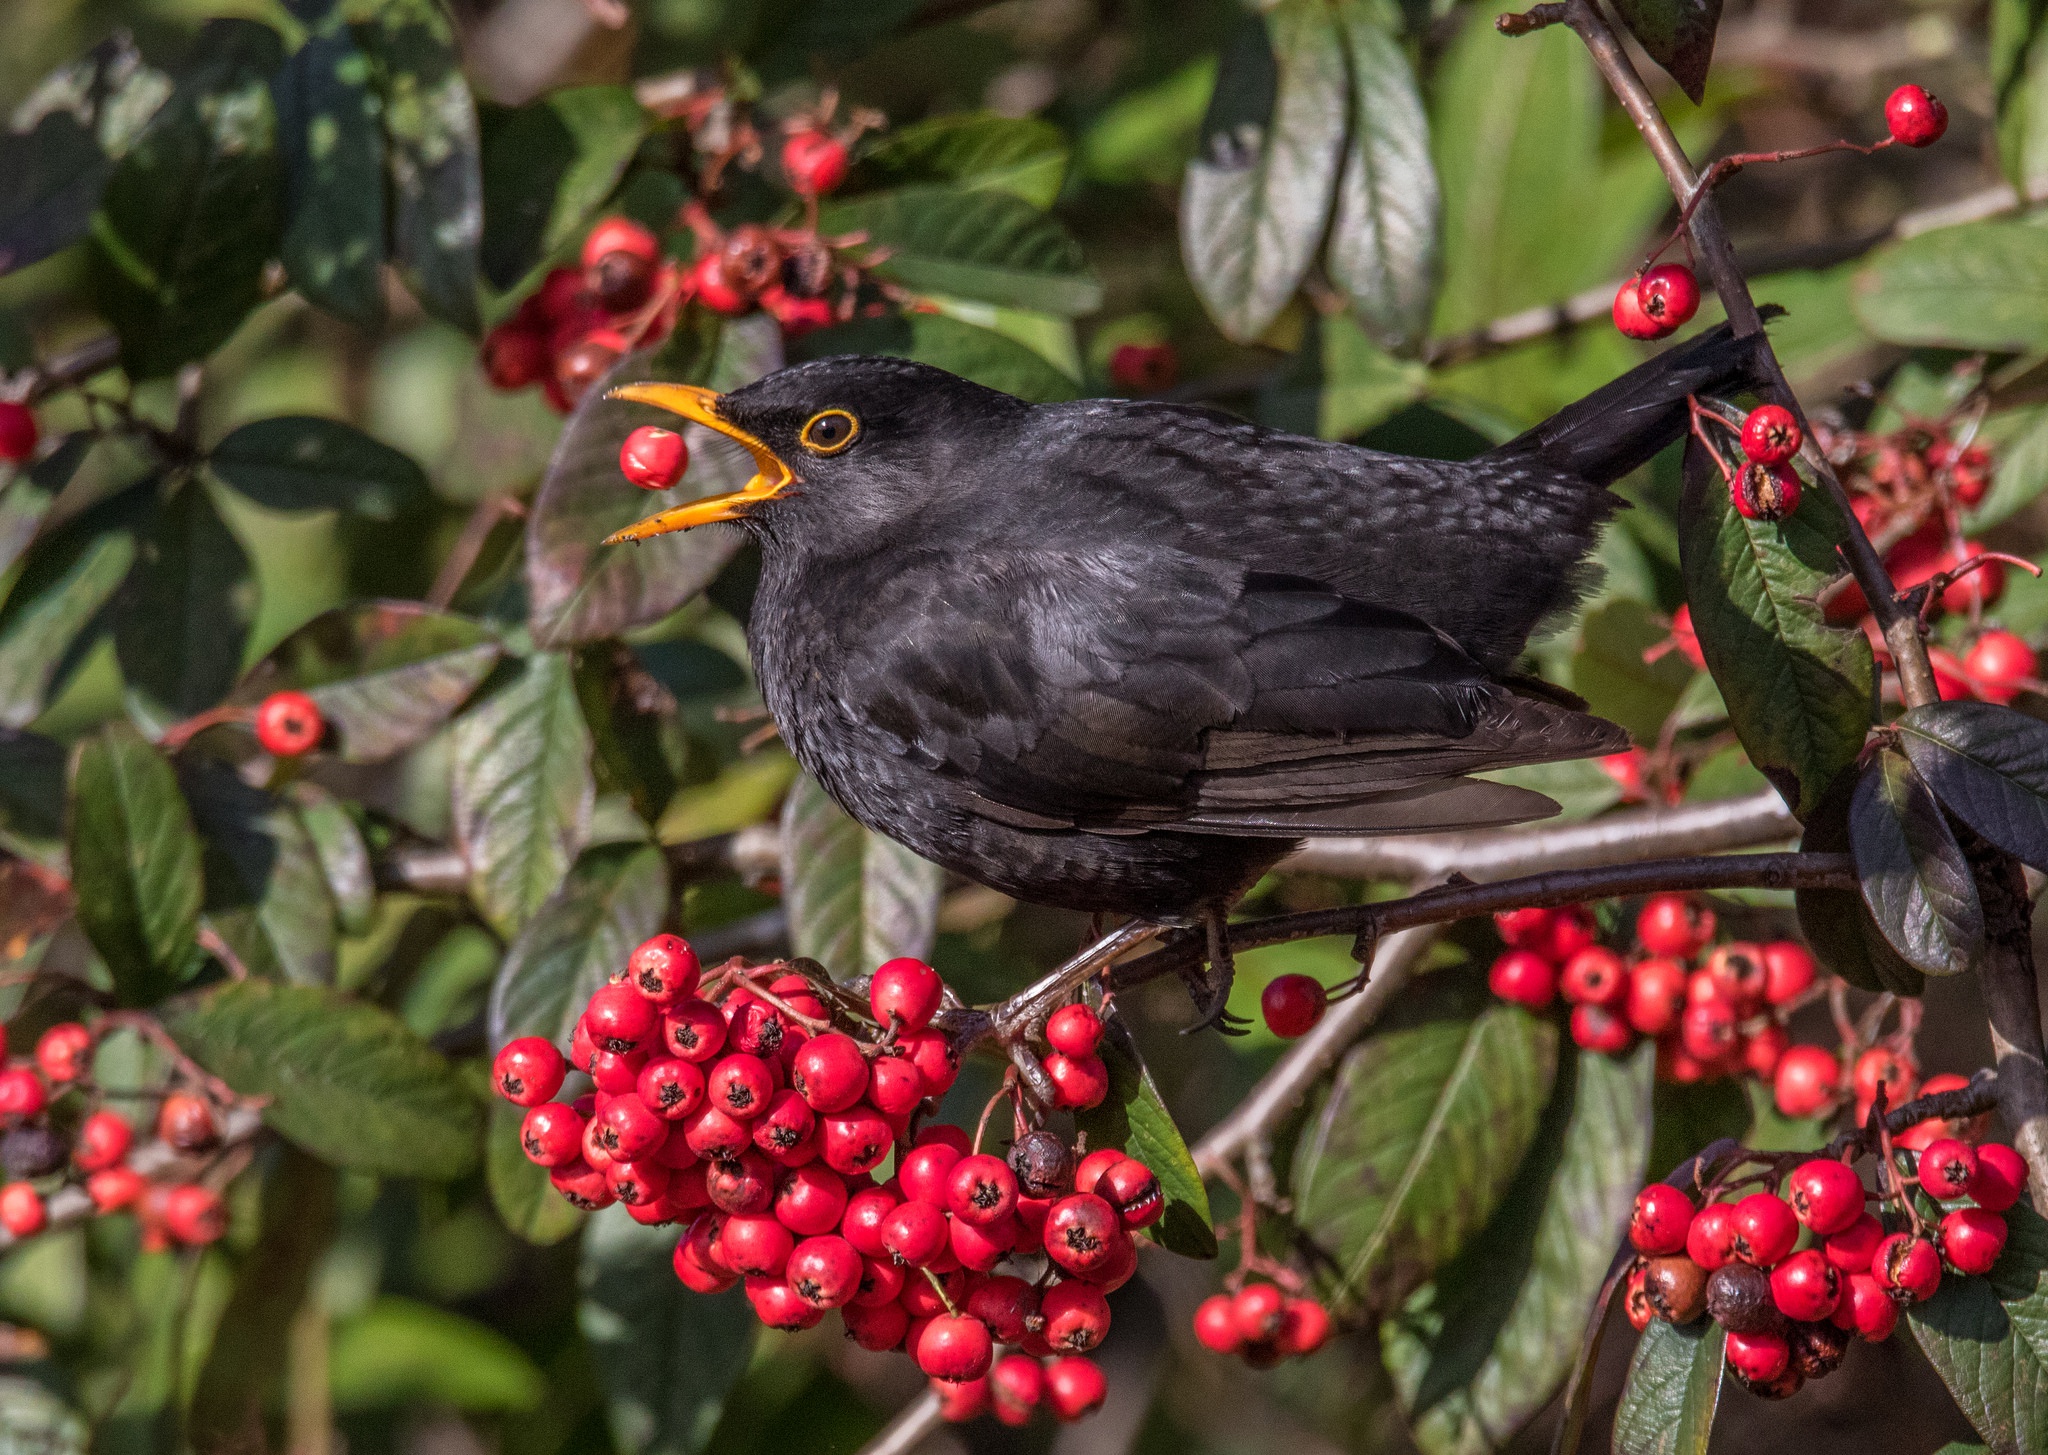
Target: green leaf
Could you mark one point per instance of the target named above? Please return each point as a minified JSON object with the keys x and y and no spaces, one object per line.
{"x":193,"y":213}
{"x":1148,"y":134}
{"x":1988,"y":1338}
{"x":182,"y":620}
{"x":1021,"y":155}
{"x":69,"y":576}
{"x":1679,"y":35}
{"x":1917,"y":884}
{"x":1382,"y":250}
{"x":1801,"y":694}
{"x":1836,"y":922}
{"x":1982,"y":285}
{"x":976,"y":353}
{"x":521,"y":790}
{"x":1256,"y":200}
{"x":27,"y":495}
{"x":330,"y":130}
{"x":1134,"y":1118}
{"x":1608,"y":670}
{"x":2019,"y":81}
{"x":36,"y":1420}
{"x":385,"y":673}
{"x":983,"y":244}
{"x":582,"y":590}
{"x":266,"y":894}
{"x":300,"y":462}
{"x":526,"y":1200}
{"x":613,"y":899}
{"x":1424,"y":1126}
{"x":547,"y":168}
{"x":398,"y":1353}
{"x":1989,"y":767}
{"x":344,"y":1079}
{"x":854,"y":898}
{"x":667,"y":1357}
{"x":344,"y":857}
{"x":635,"y":727}
{"x":1674,"y":1383}
{"x":135,"y":863}
{"x":1480,"y":1349}
{"x":1339,"y":383}
{"x":31,"y":791}
{"x":431,"y":156}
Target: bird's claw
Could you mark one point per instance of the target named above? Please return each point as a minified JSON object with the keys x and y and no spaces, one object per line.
{"x":1212,"y":997}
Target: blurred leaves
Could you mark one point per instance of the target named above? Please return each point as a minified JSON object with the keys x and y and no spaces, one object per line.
{"x":135,"y":863}
{"x":1608,"y":670}
{"x":399,"y":1352}
{"x":1679,"y":35}
{"x":547,"y":168}
{"x":976,"y":353}
{"x":1135,"y":1117}
{"x":1674,"y":1384}
{"x":854,"y":897}
{"x":613,"y":899}
{"x":1988,"y":1338}
{"x":1982,"y":285}
{"x":521,"y":1191}
{"x":329,"y":124}
{"x":1023,"y":156}
{"x":300,"y":462}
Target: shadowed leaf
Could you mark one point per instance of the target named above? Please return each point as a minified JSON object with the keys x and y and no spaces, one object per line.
{"x":1983,"y":285}
{"x":1988,"y":1338}
{"x":854,"y":897}
{"x":344,"y":857}
{"x":300,"y":462}
{"x":1836,"y":922}
{"x":1989,"y":767}
{"x":135,"y":863}
{"x":31,"y":791}
{"x":266,"y":894}
{"x":182,"y":619}
{"x":547,"y":168}
{"x":1679,"y":35}
{"x":1917,"y":884}
{"x":1021,"y":155}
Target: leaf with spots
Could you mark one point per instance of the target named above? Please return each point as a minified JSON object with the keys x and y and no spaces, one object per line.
{"x":329,"y":123}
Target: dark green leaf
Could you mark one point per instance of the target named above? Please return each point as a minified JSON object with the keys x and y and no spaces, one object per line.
{"x":192,"y":214}
{"x":344,"y":857}
{"x":1257,"y":199}
{"x":1917,"y":884}
{"x":1988,"y":1338}
{"x":989,"y":245}
{"x":1989,"y":767}
{"x":854,"y":898}
{"x":134,"y":863}
{"x":1134,"y":1118}
{"x":430,"y":156}
{"x":69,"y":576}
{"x":26,"y":497}
{"x":1021,"y":155}
{"x":634,"y":724}
{"x":1609,"y":671}
{"x":1836,"y":922}
{"x":1382,"y":251}
{"x":1674,"y":1383}
{"x":300,"y":462}
{"x":344,"y":1079}
{"x":1679,"y":35}
{"x":31,"y":790}
{"x":182,"y":619}
{"x":521,"y":790}
{"x":667,"y":1357}
{"x":1800,"y":693}
{"x":266,"y":894}
{"x":1424,"y":1126}
{"x":1480,"y":1349}
{"x":980,"y":354}
{"x":385,"y":673}
{"x":1983,"y":285}
{"x":547,"y":168}
{"x":398,"y":1354}
{"x":613,"y":899}
{"x":330,"y":133}
{"x":520,"y":1190}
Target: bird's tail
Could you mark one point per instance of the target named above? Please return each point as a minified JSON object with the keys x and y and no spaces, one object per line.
{"x":1621,"y":425}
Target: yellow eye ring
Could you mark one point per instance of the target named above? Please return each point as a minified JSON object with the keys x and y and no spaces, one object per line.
{"x":829,"y":432}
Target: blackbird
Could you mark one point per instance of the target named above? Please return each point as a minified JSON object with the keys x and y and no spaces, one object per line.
{"x":1123,"y":656}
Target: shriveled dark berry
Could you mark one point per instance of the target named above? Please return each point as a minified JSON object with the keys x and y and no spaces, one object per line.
{"x":1818,"y":1348}
{"x":32,"y":1151}
{"x":1739,"y":1298}
{"x":1044,"y":1164}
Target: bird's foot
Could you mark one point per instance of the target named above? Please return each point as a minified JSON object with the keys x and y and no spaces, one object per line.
{"x":1212,"y":996}
{"x":1013,"y":1022}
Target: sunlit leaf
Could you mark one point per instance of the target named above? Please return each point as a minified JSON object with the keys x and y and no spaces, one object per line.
{"x":331,"y":134}
{"x":520,"y":1190}
{"x":1135,"y":1118}
{"x":613,"y":899}
{"x":1674,"y":1384}
{"x":985,"y":244}
{"x":1982,"y":285}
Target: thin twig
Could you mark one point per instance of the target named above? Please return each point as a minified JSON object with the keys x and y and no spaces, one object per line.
{"x":462,"y":557}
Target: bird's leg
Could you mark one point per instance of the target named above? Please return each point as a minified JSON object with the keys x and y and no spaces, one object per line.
{"x":1011,"y":1023}
{"x":1213,"y":997}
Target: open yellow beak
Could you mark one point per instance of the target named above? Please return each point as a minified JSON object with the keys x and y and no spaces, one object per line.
{"x":771,"y":476}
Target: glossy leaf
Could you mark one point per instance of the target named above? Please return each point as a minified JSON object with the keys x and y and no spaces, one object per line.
{"x":135,"y":863}
{"x":1022,"y":155}
{"x":1836,"y":922}
{"x":1982,"y":285}
{"x":1800,"y":693}
{"x":983,"y":244}
{"x":1482,"y":1347}
{"x":1382,"y":249}
{"x":1674,"y":1384}
{"x":1420,"y":1136}
{"x":1989,"y":767}
{"x":1678,"y":34}
{"x":344,"y":857}
{"x":613,"y":899}
{"x":526,"y":1201}
{"x":330,"y":131}
{"x":521,"y":790}
{"x":385,"y":673}
{"x":301,"y":462}
{"x":854,"y":898}
{"x":1988,"y":1338}
{"x":1256,"y":200}
{"x":1135,"y":1118}
{"x":1915,"y":880}
{"x":547,"y":168}
{"x":266,"y":893}
{"x":667,"y":1357}
{"x":344,"y":1079}
{"x":973,"y":352}
{"x":193,"y":213}
{"x":182,"y":620}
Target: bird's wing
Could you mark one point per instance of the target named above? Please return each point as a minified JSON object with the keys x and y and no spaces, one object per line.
{"x":1121,"y":689}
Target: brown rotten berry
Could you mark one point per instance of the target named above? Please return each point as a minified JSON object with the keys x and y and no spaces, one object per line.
{"x":1739,"y":1298}
{"x":1766,"y":492}
{"x":1044,"y":1164}
{"x":751,"y":259}
{"x":186,"y":1122}
{"x":1676,"y":1288}
{"x":1817,"y":1348}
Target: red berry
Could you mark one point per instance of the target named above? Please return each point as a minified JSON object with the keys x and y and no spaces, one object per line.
{"x":528,"y":1071}
{"x":739,"y":1085}
{"x":854,"y":1141}
{"x":1629,"y":314}
{"x":1708,"y":1030}
{"x":1075,"y":1388}
{"x":714,"y":1134}
{"x":1674,"y":924}
{"x":64,"y":1049}
{"x":1670,"y":295}
{"x":1805,"y":1081}
{"x":1906,"y":1267}
{"x":1074,"y":1030}
{"x":1081,"y":1231}
{"x":583,"y":1185}
{"x":103,"y":1140}
{"x":1130,"y":1188}
{"x":1524,"y":929}
{"x":787,"y":1131}
{"x":1947,"y":1168}
{"x":1882,"y":1066}
{"x":1595,"y":1028}
{"x":642,"y":1185}
{"x":1765,"y":1229}
{"x":1760,"y":1357}
{"x":1522,"y":977}
{"x":664,"y":969}
{"x":1259,"y":1309}
{"x":18,"y":433}
{"x":1292,"y":1004}
{"x":810,"y":1201}
{"x":1853,"y":1247}
{"x":756,"y":1245}
{"x":1789,"y":971}
{"x":1766,"y":492}
{"x":937,"y":1063}
{"x":925,"y":1172}
{"x":551,"y":1134}
{"x":183,"y":1120}
{"x":1763,"y":1048}
{"x":981,"y":1190}
{"x":1571,"y":930}
{"x":959,"y":1402}
{"x":980,"y":1246}
{"x":814,"y":162}
{"x":824,"y":1271}
{"x":830,"y":1073}
{"x":515,"y":356}
{"x":1006,"y":1304}
{"x":113,"y":1188}
{"x":1826,"y":1195}
{"x":1738,"y":973}
{"x":1594,"y":976}
{"x":614,"y":1073}
{"x":1081,"y":1081}
{"x":877,"y":1328}
{"x":894,"y":1086}
{"x":954,"y":1347}
{"x":670,"y":1088}
{"x":1656,"y":995}
{"x":2000,"y":664}
{"x":914,"y":1233}
{"x":907,"y":990}
{"x":1662,"y":1218}
{"x":21,"y":1210}
{"x":779,"y":1306}
{"x":867,"y":1210}
{"x":1076,"y":1316}
{"x":288,"y":724}
{"x":1144,"y":368}
{"x":654,"y":458}
{"x":1868,"y":1308}
{"x":1972,"y":1239}
{"x":1305,"y":1327}
{"x":2001,"y":1177}
{"x":619,"y":1018}
{"x":693,"y":1030}
{"x":1710,"y":1241}
{"x":1770,"y":435}
{"x":1015,"y":1387}
{"x":619,"y":235}
{"x":1806,"y":1286}
{"x":1216,"y":1324}
{"x":1915,"y":117}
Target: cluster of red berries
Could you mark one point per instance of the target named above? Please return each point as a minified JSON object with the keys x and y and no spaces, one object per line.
{"x":58,"y":1135}
{"x":18,"y":432}
{"x":1262,"y":1323}
{"x":1790,"y":1310}
{"x":1657,"y":301}
{"x":1766,"y":487}
{"x":729,"y":1103}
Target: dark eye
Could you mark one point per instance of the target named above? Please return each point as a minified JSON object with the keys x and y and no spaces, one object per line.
{"x":830,"y":432}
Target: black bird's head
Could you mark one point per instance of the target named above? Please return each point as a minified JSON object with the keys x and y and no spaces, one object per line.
{"x":843,"y":448}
